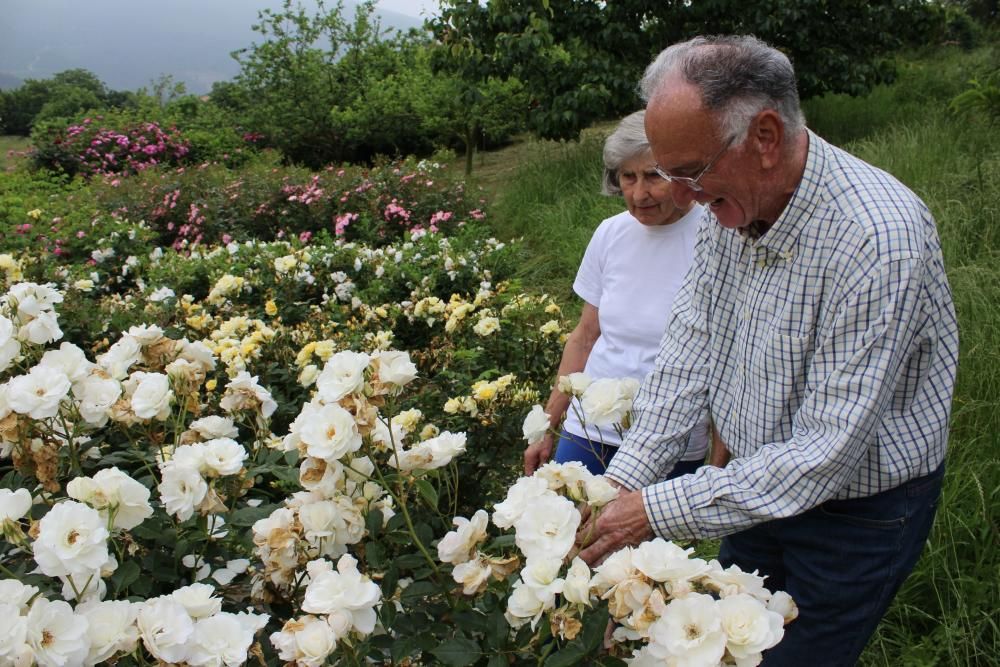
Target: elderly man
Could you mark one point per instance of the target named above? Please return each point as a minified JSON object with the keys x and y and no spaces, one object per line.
{"x":817,"y":325}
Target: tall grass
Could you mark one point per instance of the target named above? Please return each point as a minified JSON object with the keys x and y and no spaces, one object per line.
{"x":947,"y":612}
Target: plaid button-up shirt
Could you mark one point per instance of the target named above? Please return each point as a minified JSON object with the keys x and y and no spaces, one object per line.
{"x":826,"y":351}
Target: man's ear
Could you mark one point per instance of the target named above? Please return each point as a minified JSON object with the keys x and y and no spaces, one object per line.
{"x":768,"y":134}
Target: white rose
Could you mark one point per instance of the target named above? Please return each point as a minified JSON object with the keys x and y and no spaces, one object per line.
{"x":606,"y":401}
{"x":330,"y":432}
{"x":445,"y":447}
{"x":599,"y":491}
{"x":780,"y":603}
{"x":244,"y":393}
{"x":486,"y":325}
{"x":165,"y":628}
{"x":520,"y":497}
{"x":181,"y":490}
{"x":343,"y":374}
{"x":69,"y":359}
{"x":95,"y":394}
{"x":13,"y":635}
{"x":524,"y":605}
{"x":344,"y":590}
{"x":13,"y":506}
{"x":223,"y":456}
{"x":112,"y":491}
{"x":750,"y":628}
{"x":38,"y":393}
{"x":576,"y":588}
{"x":42,"y":329}
{"x":56,"y":635}
{"x":14,"y":592}
{"x":569,"y":476}
{"x":615,"y":569}
{"x":111,"y":628}
{"x":161,"y":294}
{"x":472,"y":575}
{"x":549,"y":529}
{"x":211,"y":427}
{"x":395,"y":367}
{"x":458,"y":546}
{"x":198,"y":600}
{"x":306,"y":641}
{"x":542,"y":574}
{"x":308,"y":375}
{"x":536,"y":424}
{"x":573,"y":384}
{"x":198,"y":353}
{"x":152,"y":396}
{"x":690,"y":631}
{"x":220,"y":640}
{"x":733,"y":581}
{"x":72,"y":540}
{"x":664,"y":561}
{"x":10,"y":347}
{"x":120,"y":357}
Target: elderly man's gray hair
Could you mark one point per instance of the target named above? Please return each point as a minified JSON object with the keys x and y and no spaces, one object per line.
{"x":626,"y":142}
{"x":739,"y":76}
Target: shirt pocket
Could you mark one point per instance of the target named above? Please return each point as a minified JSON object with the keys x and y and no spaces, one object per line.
{"x":776,"y":382}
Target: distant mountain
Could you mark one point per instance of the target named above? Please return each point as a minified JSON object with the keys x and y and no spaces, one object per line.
{"x":8,"y":81}
{"x":130,"y":43}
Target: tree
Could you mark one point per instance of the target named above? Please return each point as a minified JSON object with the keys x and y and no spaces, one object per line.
{"x":581,"y":59}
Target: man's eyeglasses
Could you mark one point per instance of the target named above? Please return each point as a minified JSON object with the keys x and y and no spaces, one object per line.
{"x":692,"y":182}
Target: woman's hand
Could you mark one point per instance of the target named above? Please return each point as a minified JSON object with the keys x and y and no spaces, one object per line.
{"x":538,"y":454}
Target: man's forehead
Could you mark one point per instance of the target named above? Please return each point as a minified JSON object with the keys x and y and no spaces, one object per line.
{"x":677,"y":124}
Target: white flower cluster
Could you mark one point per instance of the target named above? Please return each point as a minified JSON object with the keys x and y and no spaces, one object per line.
{"x":681,"y":609}
{"x":329,"y":515}
{"x":687,"y":610}
{"x":604,"y":402}
{"x":184,"y":485}
{"x":542,"y":511}
{"x":186,"y":626}
{"x":338,"y":603}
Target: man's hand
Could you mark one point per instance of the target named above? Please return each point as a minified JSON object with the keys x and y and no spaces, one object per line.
{"x":538,"y":454}
{"x":622,"y":523}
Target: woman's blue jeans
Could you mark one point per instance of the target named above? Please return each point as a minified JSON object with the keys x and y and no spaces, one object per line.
{"x":596,"y":455}
{"x":842,"y":562}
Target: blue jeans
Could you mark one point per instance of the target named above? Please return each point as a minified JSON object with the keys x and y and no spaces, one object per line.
{"x":842,"y":562}
{"x":596,"y":455}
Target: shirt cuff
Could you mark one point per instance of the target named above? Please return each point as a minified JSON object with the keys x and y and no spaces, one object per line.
{"x":668,"y":510}
{"x":630,"y":470}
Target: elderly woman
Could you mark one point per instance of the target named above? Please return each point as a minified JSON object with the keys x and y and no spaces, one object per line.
{"x":633,"y":266}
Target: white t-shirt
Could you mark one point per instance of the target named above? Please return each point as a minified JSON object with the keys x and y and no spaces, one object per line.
{"x":631,"y":273}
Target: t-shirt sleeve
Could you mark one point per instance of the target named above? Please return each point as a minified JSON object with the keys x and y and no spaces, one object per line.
{"x":590,"y":276}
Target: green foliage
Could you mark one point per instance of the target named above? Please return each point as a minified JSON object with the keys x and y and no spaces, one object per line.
{"x":65,"y":95}
{"x":579,"y":60}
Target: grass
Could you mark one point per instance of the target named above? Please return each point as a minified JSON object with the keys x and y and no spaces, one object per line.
{"x":10,"y":145}
{"x":947,"y":612}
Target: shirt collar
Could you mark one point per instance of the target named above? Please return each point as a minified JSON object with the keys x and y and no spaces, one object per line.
{"x":781,"y":238}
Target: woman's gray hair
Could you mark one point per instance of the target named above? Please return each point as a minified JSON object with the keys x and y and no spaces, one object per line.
{"x":626,"y":142}
{"x":738,"y":76}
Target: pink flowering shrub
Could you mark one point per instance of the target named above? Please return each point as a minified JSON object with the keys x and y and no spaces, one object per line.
{"x":95,"y":148}
{"x":208,"y":203}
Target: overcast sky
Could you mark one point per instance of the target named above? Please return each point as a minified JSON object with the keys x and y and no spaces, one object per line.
{"x":129,"y":43}
{"x":418,"y":8}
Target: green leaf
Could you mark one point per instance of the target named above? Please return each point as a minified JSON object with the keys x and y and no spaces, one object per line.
{"x":125,"y":575}
{"x":497,"y":629}
{"x":373,"y":522}
{"x":417,"y":590}
{"x":248,"y":516}
{"x":457,"y":652}
{"x":427,"y":492}
{"x":497,"y":660}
